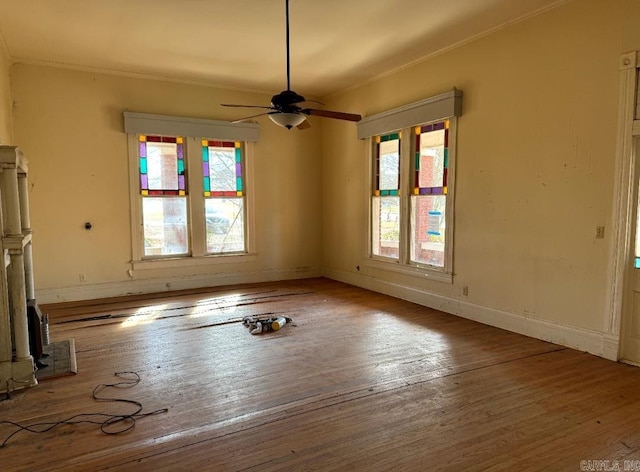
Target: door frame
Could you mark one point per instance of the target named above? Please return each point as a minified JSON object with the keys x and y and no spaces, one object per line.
{"x":619,"y":296}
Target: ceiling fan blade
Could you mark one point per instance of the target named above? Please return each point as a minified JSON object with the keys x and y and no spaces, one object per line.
{"x":304,"y":125}
{"x":252,"y":116}
{"x":332,"y":114}
{"x":243,"y":106}
{"x":313,"y":101}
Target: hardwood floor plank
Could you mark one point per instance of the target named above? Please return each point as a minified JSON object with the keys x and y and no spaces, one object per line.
{"x":358,"y":381}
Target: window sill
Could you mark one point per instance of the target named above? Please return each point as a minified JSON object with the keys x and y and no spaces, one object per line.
{"x":416,"y":271}
{"x":189,"y":261}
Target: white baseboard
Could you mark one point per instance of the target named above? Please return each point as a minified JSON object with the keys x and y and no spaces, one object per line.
{"x":594,"y":342}
{"x":166,"y":284}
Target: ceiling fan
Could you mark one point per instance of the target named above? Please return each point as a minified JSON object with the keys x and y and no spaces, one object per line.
{"x":285,"y":109}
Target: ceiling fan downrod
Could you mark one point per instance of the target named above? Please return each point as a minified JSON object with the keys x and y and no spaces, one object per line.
{"x":288,"y":59}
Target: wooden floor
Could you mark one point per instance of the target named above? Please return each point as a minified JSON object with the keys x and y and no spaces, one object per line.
{"x":359,"y":381}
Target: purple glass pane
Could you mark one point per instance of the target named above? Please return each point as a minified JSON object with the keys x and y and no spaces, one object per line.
{"x":143,"y":149}
{"x":144,"y":182}
{"x":238,"y":169}
{"x":437,"y":191}
{"x":181,"y":182}
{"x":180,"y":151}
{"x":205,"y":169}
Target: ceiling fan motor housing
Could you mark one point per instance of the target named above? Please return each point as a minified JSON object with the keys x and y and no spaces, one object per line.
{"x":286,"y":98}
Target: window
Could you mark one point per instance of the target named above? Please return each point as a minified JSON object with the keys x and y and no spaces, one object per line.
{"x":163,"y":191}
{"x":385,"y":204}
{"x":412,"y":186}
{"x":224,"y":196}
{"x":416,"y":237}
{"x":429,"y":198}
{"x":189,"y":189}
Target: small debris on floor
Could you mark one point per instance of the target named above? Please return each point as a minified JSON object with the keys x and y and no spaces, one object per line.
{"x":262,"y":325}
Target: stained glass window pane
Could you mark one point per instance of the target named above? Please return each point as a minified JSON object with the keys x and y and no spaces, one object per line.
{"x":386,"y":226}
{"x":225,"y":225}
{"x":222,"y":169}
{"x":428,"y":229}
{"x":389,"y":164}
{"x":162,"y":166}
{"x":165,"y":226}
{"x":432,"y":153}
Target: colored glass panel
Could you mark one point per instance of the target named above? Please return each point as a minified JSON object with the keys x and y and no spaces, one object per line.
{"x":431,"y":158}
{"x":162,"y":168}
{"x":222,"y":167}
{"x":388,"y":162}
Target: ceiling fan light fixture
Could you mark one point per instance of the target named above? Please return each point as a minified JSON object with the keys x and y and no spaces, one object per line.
{"x":287,"y":120}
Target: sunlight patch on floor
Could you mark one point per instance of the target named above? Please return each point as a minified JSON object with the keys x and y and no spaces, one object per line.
{"x":144,"y":315}
{"x":226,"y":304}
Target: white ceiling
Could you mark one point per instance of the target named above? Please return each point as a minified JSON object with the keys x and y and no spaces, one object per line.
{"x":335,"y":44}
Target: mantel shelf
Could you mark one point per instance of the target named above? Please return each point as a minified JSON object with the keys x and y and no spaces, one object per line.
{"x":16,"y":242}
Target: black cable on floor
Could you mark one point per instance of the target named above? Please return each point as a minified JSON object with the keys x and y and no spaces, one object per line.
{"x":109,"y":423}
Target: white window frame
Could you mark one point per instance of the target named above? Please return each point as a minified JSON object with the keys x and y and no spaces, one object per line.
{"x":447,"y":106}
{"x":193,"y":131}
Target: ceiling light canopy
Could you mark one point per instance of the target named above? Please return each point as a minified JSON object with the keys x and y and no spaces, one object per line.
{"x":287,"y":120}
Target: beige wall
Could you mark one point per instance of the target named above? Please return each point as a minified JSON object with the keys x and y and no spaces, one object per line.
{"x":70,"y":126}
{"x":6,"y":128}
{"x":535,"y":170}
{"x":535,"y":173}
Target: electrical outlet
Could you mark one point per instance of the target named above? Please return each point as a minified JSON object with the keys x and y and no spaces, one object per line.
{"x":465,"y":290}
{"x":599,"y":232}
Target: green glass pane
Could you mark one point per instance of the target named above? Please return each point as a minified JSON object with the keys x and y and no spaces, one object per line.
{"x":180,"y":166}
{"x":637,"y":264}
{"x":390,"y":137}
{"x":207,"y":185}
{"x":446,"y":157}
{"x":143,"y":165}
{"x":205,"y":153}
{"x":393,"y":192}
{"x":239,"y":184}
{"x":238,"y":155}
{"x":417,"y":161}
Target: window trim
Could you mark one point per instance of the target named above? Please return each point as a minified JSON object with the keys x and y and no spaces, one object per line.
{"x":167,"y":125}
{"x":435,"y":108}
